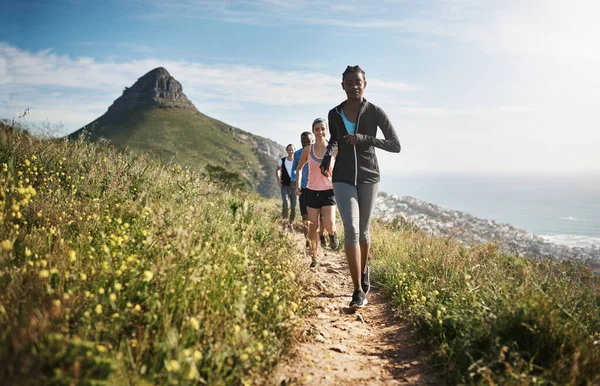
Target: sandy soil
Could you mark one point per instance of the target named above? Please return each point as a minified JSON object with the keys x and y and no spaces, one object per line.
{"x":342,"y":347}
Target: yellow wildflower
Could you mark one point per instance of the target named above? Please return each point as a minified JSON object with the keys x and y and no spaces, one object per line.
{"x":193,"y":373}
{"x":7,"y":245}
{"x":172,"y":365}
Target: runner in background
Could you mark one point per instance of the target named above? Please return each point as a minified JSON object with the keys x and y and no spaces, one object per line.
{"x":307,"y":138}
{"x":284,"y":173}
{"x":319,"y":190}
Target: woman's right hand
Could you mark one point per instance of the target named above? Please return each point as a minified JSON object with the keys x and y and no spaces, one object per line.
{"x":298,"y":191}
{"x":325,"y":166}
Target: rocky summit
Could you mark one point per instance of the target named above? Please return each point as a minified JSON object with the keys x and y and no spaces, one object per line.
{"x":155,"y":89}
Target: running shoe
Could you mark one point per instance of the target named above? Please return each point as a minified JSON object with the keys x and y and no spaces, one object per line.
{"x":359,"y":299}
{"x":365,"y":280}
{"x":334,"y":243}
{"x":323,"y":240}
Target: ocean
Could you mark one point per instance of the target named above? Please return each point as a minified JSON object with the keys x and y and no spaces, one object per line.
{"x":562,"y":209}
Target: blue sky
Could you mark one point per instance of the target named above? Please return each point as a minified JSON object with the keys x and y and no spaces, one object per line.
{"x":470,"y":86}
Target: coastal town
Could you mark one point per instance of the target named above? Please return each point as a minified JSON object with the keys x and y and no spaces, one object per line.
{"x":470,"y":230}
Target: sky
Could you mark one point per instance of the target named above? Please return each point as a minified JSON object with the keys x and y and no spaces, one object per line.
{"x":470,"y":86}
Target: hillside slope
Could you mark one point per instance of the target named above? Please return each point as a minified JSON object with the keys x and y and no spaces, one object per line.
{"x":155,"y":116}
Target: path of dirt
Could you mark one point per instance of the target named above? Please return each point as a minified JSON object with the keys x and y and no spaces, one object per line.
{"x":338,"y":347}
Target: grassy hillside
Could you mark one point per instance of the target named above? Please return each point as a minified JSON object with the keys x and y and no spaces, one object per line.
{"x":116,"y":269}
{"x":493,"y":318}
{"x":189,"y":138}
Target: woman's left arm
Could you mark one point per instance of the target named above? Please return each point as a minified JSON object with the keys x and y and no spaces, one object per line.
{"x":390,"y":143}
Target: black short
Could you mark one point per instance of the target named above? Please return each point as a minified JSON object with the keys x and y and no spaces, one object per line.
{"x":302,"y":199}
{"x":319,"y":198}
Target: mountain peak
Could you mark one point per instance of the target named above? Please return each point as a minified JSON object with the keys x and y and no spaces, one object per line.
{"x":158,"y":71}
{"x":156,"y":88}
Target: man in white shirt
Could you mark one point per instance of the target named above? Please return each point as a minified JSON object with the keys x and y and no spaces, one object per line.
{"x":284,"y":174}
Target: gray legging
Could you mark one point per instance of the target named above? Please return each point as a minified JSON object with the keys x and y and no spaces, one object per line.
{"x":355,"y":204}
{"x":288,"y":197}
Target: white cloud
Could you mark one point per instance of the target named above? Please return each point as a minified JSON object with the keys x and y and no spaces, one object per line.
{"x":436,"y":136}
{"x":201,"y":82}
{"x":4,"y":78}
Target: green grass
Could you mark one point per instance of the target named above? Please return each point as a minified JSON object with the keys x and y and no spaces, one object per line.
{"x":492,"y":318}
{"x":191,"y":139}
{"x":116,"y":269}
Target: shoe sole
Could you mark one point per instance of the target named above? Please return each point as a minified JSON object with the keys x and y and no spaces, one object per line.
{"x":356,"y":306}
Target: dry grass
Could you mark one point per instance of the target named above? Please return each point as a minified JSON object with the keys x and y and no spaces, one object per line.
{"x":115,"y":269}
{"x":493,"y":318}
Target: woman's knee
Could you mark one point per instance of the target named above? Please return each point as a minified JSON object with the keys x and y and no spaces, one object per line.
{"x":329,"y":227}
{"x":365,"y":237}
{"x":351,"y":235}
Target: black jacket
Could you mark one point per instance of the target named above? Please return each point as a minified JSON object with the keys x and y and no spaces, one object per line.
{"x":358,"y":164}
{"x":286,"y":179}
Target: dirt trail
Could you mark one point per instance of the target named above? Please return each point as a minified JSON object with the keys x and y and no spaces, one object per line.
{"x":368,"y":347}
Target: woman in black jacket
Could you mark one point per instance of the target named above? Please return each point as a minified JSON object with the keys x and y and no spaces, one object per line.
{"x":353,"y":126}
